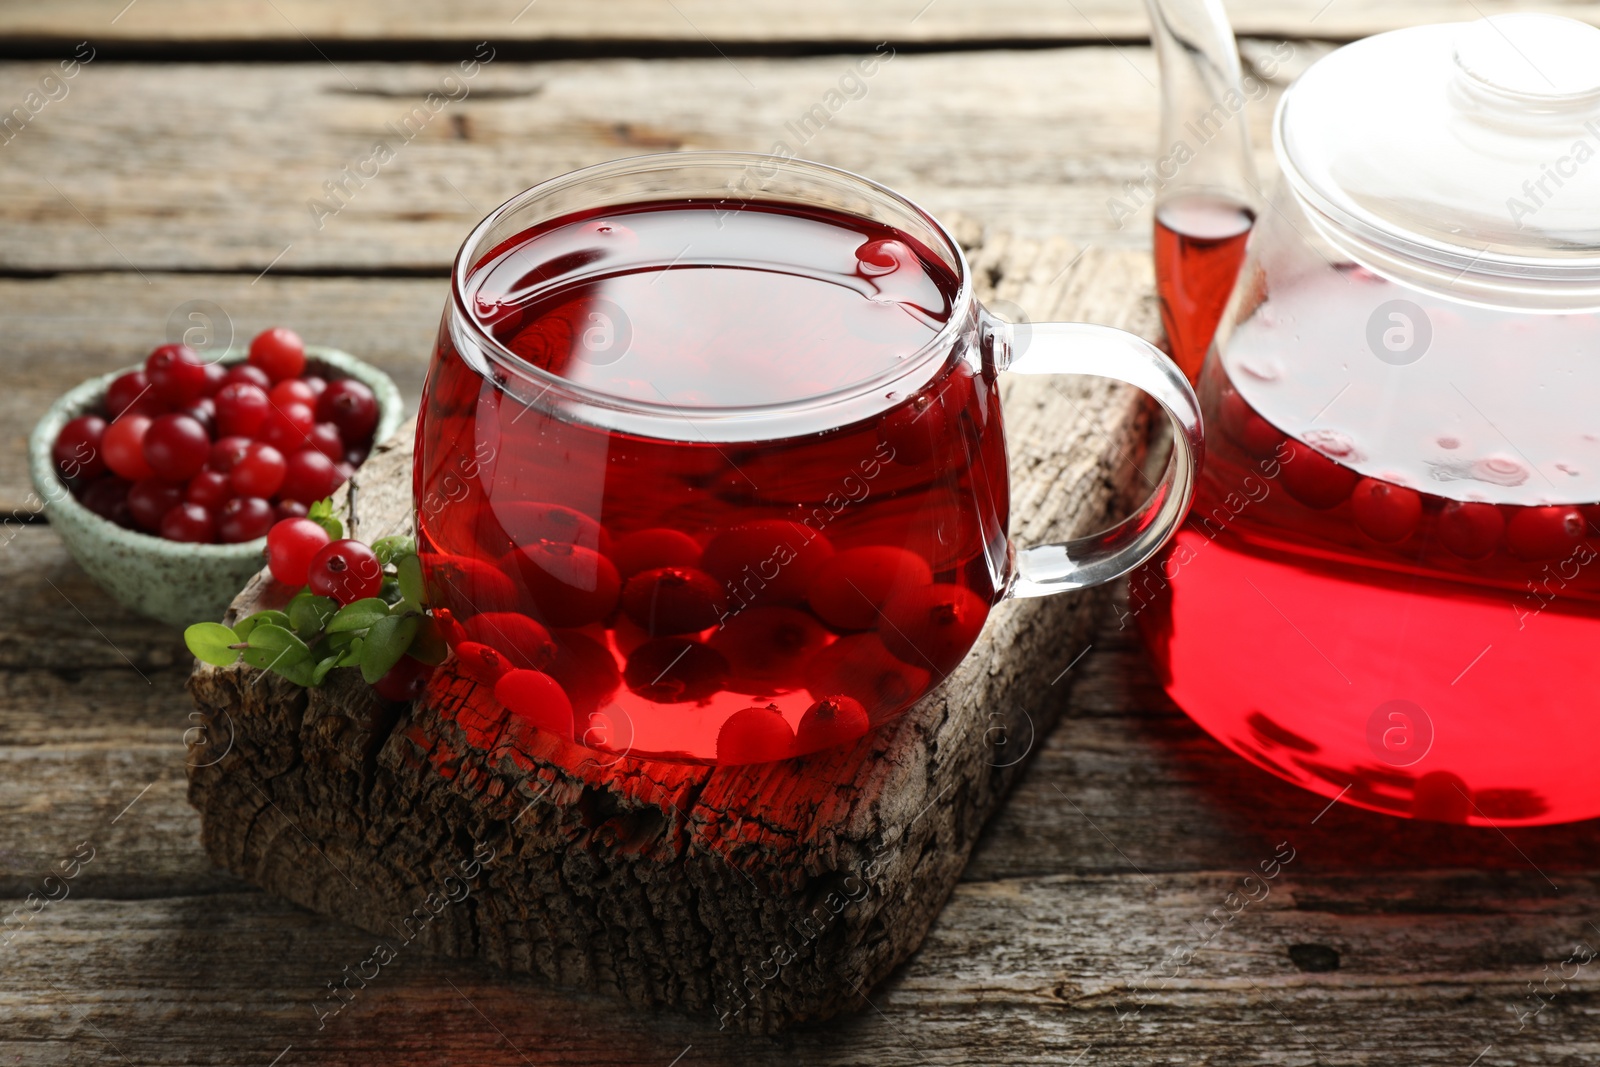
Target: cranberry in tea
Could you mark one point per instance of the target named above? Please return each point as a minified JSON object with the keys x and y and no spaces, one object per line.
{"x":643,"y":582}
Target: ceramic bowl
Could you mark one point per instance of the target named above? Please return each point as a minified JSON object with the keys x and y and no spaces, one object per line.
{"x":172,"y":581}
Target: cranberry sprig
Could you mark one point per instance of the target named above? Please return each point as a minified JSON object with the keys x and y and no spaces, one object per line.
{"x":357,"y":606}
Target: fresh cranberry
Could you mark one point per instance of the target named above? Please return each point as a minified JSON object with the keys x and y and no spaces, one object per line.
{"x":287,"y":428}
{"x":176,"y":374}
{"x":150,"y":499}
{"x":176,"y":447}
{"x":189,"y":522}
{"x":754,"y":735}
{"x":108,"y":498}
{"x":345,"y":570}
{"x":290,"y":509}
{"x":835,"y":720}
{"x":123,"y":443}
{"x":309,"y":476}
{"x":355,"y":457}
{"x":405,"y":681}
{"x":260,"y":473}
{"x":316,"y":384}
{"x":673,"y":600}
{"x":291,"y":543}
{"x":210,"y":489}
{"x":351,"y":406}
{"x":77,"y":449}
{"x":1385,"y":512}
{"x":244,"y":518}
{"x":1470,"y":530}
{"x":216,"y":374}
{"x":279,"y":353}
{"x":227,"y":452}
{"x":1548,"y":532}
{"x":1314,"y":479}
{"x":245,"y":373}
{"x":292,"y":391}
{"x":324,"y":437}
{"x":241,"y":409}
{"x":203,"y":411}
{"x":932,"y":626}
{"x":124,"y":391}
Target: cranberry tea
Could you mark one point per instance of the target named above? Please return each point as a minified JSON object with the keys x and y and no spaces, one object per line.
{"x":639,"y":580}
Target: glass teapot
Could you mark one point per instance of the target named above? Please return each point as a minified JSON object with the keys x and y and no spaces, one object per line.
{"x":1388,"y":591}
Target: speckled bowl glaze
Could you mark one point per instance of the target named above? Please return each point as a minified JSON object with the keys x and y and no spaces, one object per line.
{"x":171,"y":581}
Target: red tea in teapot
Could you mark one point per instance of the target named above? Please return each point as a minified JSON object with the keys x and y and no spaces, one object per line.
{"x":1389,"y":587}
{"x":655,"y":584}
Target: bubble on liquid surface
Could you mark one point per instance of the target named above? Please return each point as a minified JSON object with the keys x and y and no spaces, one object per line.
{"x":1569,"y":470}
{"x":1333,"y":443}
{"x":1262,"y":368}
{"x":1495,"y":470}
{"x":1447,"y":442}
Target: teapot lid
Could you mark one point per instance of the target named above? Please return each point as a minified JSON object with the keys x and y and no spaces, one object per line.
{"x":1463,"y":158}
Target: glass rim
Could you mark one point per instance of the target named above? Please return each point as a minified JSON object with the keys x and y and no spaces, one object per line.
{"x":941,"y":342}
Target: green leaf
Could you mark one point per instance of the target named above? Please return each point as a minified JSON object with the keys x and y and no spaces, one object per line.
{"x":308,"y":615}
{"x":428,"y":646}
{"x":299,"y":671}
{"x":389,"y":591}
{"x":386,"y":642}
{"x":340,"y":641}
{"x":351,"y":656}
{"x":320,"y":671}
{"x":358,"y":615}
{"x":408,"y":572}
{"x":244,"y":627}
{"x":272,"y":646}
{"x":209,"y":643}
{"x":391,"y":549}
{"x":322,"y":514}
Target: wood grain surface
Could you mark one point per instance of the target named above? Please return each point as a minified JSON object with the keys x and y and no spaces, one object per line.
{"x":736,"y":25}
{"x":1130,"y":827}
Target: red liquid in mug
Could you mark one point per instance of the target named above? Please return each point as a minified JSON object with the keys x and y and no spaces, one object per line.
{"x":1199,"y":247}
{"x":682,"y":595}
{"x":1389,"y":587}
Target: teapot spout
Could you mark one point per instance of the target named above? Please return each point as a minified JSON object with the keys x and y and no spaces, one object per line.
{"x":1205,"y":139}
{"x":1205,"y":189}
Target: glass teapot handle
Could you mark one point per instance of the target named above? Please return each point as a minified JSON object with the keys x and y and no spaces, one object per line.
{"x":1103,"y":352}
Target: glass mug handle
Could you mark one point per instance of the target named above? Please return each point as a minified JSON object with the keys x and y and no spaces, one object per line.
{"x":1103,"y":352}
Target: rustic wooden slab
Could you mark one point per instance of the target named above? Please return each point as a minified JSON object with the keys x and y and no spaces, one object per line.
{"x":760,"y":895}
{"x":638,"y":24}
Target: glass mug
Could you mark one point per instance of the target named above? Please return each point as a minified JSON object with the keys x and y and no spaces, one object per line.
{"x":710,"y":465}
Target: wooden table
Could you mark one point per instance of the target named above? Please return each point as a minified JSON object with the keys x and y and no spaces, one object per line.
{"x":178,"y":167}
